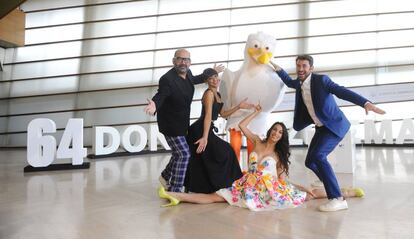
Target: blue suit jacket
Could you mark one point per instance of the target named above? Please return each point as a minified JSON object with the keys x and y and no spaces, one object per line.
{"x":326,"y":109}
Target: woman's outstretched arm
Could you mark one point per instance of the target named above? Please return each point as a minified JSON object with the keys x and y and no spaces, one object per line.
{"x":243,"y":125}
{"x":242,"y":105}
{"x":208,"y":99}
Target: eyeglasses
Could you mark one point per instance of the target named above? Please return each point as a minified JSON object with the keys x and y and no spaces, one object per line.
{"x":183,"y":59}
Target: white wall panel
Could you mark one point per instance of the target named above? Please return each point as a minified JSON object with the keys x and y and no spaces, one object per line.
{"x":192,"y":38}
{"x":34,"y":5}
{"x":56,"y":85}
{"x":19,"y":123}
{"x":168,"y":6}
{"x":64,"y":16}
{"x":198,"y":54}
{"x":342,"y":25}
{"x":93,"y":13}
{"x":389,"y":39}
{"x":64,"y":44}
{"x":91,"y":30}
{"x":265,"y":14}
{"x":41,"y":104}
{"x":4,"y":107}
{"x":342,"y":43}
{"x":117,"y":80}
{"x":81,"y":65}
{"x":193,"y":20}
{"x":342,"y":8}
{"x":346,"y":59}
{"x":44,"y":86}
{"x":48,"y":51}
{"x":5,"y":90}
{"x":393,"y":74}
{"x":396,"y":56}
{"x":394,"y":6}
{"x":115,"y":116}
{"x":81,"y":48}
{"x":247,"y":3}
{"x":54,"y":34}
{"x":391,"y":21}
{"x":113,"y":98}
{"x":279,"y":30}
{"x":43,"y":69}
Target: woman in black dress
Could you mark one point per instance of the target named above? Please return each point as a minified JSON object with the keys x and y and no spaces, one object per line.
{"x":213,"y":164}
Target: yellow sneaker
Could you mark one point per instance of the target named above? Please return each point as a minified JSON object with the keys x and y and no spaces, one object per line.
{"x":358,"y":192}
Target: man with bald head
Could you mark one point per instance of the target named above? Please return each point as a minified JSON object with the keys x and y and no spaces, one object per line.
{"x":172,"y":105}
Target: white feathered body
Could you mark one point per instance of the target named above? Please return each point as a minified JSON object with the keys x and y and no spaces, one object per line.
{"x":257,"y":82}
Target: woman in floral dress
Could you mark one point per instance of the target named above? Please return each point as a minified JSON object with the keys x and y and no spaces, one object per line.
{"x":264,"y":186}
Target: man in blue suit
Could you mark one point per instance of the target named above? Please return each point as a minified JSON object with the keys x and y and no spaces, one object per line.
{"x":315,"y":104}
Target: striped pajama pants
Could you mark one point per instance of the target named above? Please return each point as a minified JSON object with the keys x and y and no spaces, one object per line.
{"x":174,"y":172}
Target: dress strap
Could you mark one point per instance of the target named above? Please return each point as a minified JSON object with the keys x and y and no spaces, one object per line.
{"x":215,"y":100}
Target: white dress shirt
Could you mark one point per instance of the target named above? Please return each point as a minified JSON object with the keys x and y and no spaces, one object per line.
{"x":307,"y":99}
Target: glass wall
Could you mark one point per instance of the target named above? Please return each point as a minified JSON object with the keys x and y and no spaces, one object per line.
{"x":101,"y":59}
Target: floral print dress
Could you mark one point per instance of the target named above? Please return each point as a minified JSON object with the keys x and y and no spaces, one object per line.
{"x":260,"y":190}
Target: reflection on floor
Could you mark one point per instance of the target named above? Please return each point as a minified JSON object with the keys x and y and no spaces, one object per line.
{"x":116,"y":198}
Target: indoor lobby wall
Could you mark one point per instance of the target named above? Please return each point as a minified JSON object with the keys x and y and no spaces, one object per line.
{"x":101,"y":59}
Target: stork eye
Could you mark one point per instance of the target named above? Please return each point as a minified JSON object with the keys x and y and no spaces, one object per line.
{"x":256,"y":46}
{"x":267,"y":48}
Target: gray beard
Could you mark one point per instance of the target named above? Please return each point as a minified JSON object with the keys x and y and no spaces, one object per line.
{"x":181,"y":70}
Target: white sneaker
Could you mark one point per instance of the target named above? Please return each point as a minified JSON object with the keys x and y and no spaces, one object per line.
{"x":163,"y":182}
{"x":334,"y":205}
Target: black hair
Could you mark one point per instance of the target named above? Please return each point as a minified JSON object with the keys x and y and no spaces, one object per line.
{"x":282,"y":148}
{"x":306,"y":58}
{"x":209,"y":72}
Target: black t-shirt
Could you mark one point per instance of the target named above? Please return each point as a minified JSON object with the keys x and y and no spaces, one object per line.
{"x":185,"y":86}
{"x":173,"y":102}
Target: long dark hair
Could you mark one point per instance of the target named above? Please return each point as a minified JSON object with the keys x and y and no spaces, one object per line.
{"x":282,"y":148}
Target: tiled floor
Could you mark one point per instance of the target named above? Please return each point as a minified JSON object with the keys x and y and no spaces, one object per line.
{"x":116,"y":198}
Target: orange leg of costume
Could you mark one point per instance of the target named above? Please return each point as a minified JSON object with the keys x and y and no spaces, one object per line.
{"x":236,"y":143}
{"x":250,"y":147}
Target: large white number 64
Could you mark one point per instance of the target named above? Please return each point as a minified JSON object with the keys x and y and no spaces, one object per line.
{"x":41,"y":148}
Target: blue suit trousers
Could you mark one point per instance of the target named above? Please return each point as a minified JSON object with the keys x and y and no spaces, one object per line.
{"x":324,"y":142}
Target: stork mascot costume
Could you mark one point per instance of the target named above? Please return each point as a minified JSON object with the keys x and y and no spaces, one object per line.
{"x":255,"y":80}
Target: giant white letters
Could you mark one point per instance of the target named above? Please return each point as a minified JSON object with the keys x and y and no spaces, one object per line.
{"x":406,"y":131}
{"x":384,"y":131}
{"x":155,"y":136}
{"x":140,"y":138}
{"x":41,"y":149}
{"x":114,"y":139}
{"x":99,"y":141}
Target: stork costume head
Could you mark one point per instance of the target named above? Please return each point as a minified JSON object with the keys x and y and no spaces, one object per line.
{"x":260,"y":48}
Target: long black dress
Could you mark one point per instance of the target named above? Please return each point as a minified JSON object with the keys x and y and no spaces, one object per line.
{"x":215,"y":168}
